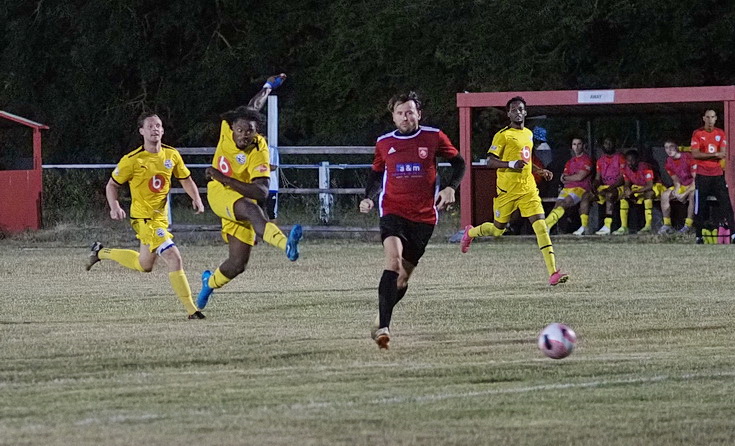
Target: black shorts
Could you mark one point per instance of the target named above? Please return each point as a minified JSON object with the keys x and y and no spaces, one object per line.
{"x":271,"y":205}
{"x":415,"y":236}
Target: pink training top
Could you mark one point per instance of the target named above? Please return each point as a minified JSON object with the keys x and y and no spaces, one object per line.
{"x":681,"y":167}
{"x":640,"y":176}
{"x":578,"y":164}
{"x":610,"y":168}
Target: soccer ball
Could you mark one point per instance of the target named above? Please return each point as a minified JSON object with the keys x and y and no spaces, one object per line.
{"x":557,"y":341}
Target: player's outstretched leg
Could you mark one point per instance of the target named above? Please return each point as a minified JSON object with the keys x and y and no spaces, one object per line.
{"x":94,"y":255}
{"x":464,"y":244}
{"x":206,"y":292}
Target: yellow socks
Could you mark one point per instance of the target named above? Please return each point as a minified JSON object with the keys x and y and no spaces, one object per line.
{"x":585,"y":218}
{"x":544,"y":244}
{"x":125,"y":257}
{"x":688,"y":222}
{"x":181,"y":287}
{"x":667,"y":221}
{"x":608,"y":221}
{"x":273,"y":236}
{"x":624,"y":208}
{"x":554,"y":216}
{"x":218,"y":280}
{"x":648,"y":211}
{"x":485,"y":230}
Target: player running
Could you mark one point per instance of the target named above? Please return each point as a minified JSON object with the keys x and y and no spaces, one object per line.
{"x":405,"y":166}
{"x":239,"y":178}
{"x":510,"y":154}
{"x":148,"y":171}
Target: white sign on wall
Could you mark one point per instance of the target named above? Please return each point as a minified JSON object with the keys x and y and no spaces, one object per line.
{"x":595,"y":96}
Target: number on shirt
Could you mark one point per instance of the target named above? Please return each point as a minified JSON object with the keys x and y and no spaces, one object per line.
{"x":224,"y":166}
{"x":526,"y":154}
{"x":157,"y":183}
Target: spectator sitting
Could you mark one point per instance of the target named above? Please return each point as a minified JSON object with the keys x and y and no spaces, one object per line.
{"x":640,"y":187}
{"x":608,"y":183}
{"x":679,"y":167}
{"x":576,"y":179}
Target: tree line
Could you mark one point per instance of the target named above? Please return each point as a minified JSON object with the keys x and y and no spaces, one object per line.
{"x":88,"y":68}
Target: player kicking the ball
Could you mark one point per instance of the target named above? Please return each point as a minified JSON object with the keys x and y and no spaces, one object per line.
{"x":239,"y":179}
{"x":510,"y":154}
{"x":405,"y":165}
{"x":148,"y":171}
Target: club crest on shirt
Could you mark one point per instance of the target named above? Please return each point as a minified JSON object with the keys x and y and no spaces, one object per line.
{"x":423,"y":152}
{"x":241,"y":158}
{"x":718,"y":138}
{"x":168,"y":164}
{"x":160,"y":232}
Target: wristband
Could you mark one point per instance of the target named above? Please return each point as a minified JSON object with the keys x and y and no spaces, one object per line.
{"x":512,"y":164}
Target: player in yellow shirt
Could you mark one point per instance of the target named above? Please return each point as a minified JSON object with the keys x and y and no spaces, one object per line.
{"x":510,"y":154}
{"x":240,"y":175}
{"x":148,"y":170}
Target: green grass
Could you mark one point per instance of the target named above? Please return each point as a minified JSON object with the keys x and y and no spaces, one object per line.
{"x":284,"y":357}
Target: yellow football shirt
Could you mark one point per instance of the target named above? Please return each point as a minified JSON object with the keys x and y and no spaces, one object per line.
{"x":243,"y":165}
{"x":149,"y":177}
{"x":512,"y":144}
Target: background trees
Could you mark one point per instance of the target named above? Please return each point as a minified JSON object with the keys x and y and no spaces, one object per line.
{"x":88,"y":68}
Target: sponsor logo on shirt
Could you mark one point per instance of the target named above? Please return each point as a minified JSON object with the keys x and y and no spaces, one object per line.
{"x":408,"y":170}
{"x":392,"y":150}
{"x":493,"y":148}
{"x":423,"y":152}
{"x":168,"y":164}
{"x":241,"y":158}
{"x":262,"y":168}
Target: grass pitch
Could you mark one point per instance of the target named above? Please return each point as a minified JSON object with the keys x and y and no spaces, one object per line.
{"x":284,"y":357}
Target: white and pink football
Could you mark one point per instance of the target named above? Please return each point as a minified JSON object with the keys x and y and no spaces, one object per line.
{"x":557,"y":341}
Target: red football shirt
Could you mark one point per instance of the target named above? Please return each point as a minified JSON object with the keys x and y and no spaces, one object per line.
{"x":681,"y":167}
{"x":410,"y":181}
{"x":640,"y":176}
{"x":610,"y":168}
{"x":709,"y":143}
{"x":576,"y":165}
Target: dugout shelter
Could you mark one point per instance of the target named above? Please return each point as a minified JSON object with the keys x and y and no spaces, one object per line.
{"x":21,"y":179}
{"x":478,"y":185}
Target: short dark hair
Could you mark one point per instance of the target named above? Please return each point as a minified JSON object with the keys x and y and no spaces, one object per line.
{"x":634,"y":153}
{"x":145,"y":115}
{"x":405,"y":97}
{"x":246,"y":113}
{"x":670,"y":140}
{"x":515,"y":99}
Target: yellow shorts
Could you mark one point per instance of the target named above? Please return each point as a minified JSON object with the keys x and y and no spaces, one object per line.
{"x":575,"y":192}
{"x":601,"y":199}
{"x":222,"y":201}
{"x":528,"y":203}
{"x":151,"y":231}
{"x":658,"y":189}
{"x":682,"y":189}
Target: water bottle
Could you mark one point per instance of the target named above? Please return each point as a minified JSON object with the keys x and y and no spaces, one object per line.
{"x":723,"y":234}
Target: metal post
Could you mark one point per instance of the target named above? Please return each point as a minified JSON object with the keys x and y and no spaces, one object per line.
{"x":273,"y":121}
{"x":325,"y":200}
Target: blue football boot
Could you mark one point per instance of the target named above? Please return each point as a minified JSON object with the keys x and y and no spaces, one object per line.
{"x":292,"y":245}
{"x":206,"y":291}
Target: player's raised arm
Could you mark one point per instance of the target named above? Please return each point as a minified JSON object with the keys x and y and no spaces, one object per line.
{"x":258,"y":101}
